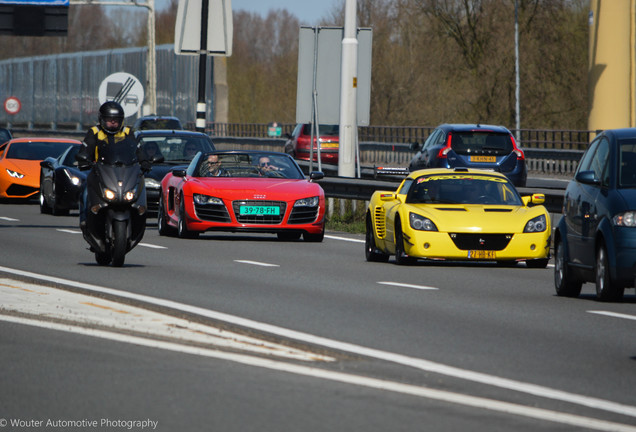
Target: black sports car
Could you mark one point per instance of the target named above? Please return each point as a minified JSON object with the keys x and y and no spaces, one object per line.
{"x":61,"y":182}
{"x":177,"y":147}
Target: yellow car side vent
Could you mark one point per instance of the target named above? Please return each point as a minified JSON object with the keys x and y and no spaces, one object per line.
{"x":380,"y":222}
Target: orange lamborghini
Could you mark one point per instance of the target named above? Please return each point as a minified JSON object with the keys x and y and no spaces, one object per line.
{"x":20,"y":164}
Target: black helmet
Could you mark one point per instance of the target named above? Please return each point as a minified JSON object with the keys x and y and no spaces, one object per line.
{"x":111,"y":110}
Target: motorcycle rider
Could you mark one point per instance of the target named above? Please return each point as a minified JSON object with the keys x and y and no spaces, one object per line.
{"x":109,"y":131}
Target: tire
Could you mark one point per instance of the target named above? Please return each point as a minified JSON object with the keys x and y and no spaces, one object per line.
{"x":401,"y":258}
{"x":44,"y":207}
{"x":564,"y":283}
{"x":606,"y":288}
{"x":54,"y":208}
{"x":537,"y":263}
{"x":162,"y":223}
{"x":182,"y":227}
{"x":120,"y":243}
{"x":103,"y":259}
{"x":370,"y":251}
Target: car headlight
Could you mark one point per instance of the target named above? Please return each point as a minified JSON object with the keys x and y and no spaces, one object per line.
{"x":538,"y":224}
{"x":14,"y":174}
{"x":152,"y":183}
{"x":75,"y":180}
{"x":421,"y":223}
{"x":627,"y":219}
{"x":307,"y":202}
{"x":206,"y":199}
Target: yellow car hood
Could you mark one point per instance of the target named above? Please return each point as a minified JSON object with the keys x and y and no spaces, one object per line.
{"x":479,"y":218}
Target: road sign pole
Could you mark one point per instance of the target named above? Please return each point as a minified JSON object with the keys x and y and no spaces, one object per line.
{"x":201,"y":105}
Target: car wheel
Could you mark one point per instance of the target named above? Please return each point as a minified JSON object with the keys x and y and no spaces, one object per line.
{"x":288,"y":236}
{"x":537,"y":263}
{"x":564,"y":284}
{"x":44,"y":207}
{"x":606,"y":288}
{"x":401,"y":258}
{"x":54,"y":207}
{"x":182,"y":227}
{"x":371,"y":253}
{"x":162,"y":224}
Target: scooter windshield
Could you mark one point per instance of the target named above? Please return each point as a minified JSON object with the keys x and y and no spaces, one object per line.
{"x":123,"y":152}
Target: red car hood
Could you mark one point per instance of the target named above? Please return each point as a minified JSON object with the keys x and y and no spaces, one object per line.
{"x":255,"y":188}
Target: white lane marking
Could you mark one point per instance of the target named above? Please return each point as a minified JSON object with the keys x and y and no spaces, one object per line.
{"x":152,"y":246}
{"x":69,"y":231}
{"x":84,"y":310}
{"x":613,"y":314}
{"x":510,"y":384}
{"x":257,"y":263}
{"x":9,"y":219}
{"x":148,"y":245}
{"x":344,"y":239}
{"x":420,"y":287}
{"x":407,"y":389}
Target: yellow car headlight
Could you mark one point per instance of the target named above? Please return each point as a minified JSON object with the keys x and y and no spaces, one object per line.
{"x":421,"y":223}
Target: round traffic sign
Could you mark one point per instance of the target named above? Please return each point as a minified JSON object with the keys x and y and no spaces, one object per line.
{"x":124,"y":89}
{"x":12,"y":105}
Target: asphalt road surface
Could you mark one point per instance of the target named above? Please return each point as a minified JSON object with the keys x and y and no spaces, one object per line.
{"x":234,"y":332}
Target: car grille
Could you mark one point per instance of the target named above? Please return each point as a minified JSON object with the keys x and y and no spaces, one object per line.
{"x":481,"y":241}
{"x":303,"y":215}
{"x":17,"y":190}
{"x":259,"y":219}
{"x":380,"y":222}
{"x":212,"y":212}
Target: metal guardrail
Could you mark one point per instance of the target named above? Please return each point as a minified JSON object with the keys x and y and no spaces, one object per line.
{"x":372,"y":154}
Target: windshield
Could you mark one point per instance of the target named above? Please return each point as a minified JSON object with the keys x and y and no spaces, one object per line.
{"x":123,"y":152}
{"x":243,"y":165}
{"x":36,"y":150}
{"x":463,"y":189}
{"x":175,"y":148}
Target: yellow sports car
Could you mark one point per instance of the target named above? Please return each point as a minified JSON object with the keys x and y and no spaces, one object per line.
{"x":458,"y":215}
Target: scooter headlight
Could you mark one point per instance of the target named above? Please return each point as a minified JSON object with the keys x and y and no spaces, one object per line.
{"x":129,"y":196}
{"x":109,"y":194}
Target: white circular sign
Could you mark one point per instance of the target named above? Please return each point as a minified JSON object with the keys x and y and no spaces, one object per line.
{"x":12,"y":105}
{"x":124,"y":89}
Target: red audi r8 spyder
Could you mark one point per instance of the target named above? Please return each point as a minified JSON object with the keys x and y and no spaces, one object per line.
{"x":242,"y":191}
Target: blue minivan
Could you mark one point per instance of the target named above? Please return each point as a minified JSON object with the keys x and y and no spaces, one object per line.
{"x":595,"y":239}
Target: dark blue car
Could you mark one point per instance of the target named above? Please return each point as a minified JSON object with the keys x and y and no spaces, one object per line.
{"x":472,"y":146}
{"x":595,"y":240}
{"x":177,"y":147}
{"x":60,"y":182}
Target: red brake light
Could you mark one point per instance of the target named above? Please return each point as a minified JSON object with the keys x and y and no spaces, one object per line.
{"x":444,"y":150}
{"x":517,"y":150}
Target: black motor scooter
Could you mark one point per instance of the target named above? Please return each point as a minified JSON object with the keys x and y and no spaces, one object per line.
{"x":116,"y":203}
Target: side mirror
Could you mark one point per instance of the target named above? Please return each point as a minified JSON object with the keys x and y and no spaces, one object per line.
{"x":587,"y":177}
{"x":316,"y":175}
{"x":157,"y":159}
{"x":414,"y":146}
{"x":179,"y":172}
{"x":46,"y":164}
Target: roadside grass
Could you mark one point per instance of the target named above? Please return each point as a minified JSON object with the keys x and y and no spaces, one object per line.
{"x":350,"y":217}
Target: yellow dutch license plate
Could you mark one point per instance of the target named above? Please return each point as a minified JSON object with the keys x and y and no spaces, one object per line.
{"x":482,"y":254}
{"x":483,"y":159}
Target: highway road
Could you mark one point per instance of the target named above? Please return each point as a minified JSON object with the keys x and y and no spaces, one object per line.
{"x":234,"y":332}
